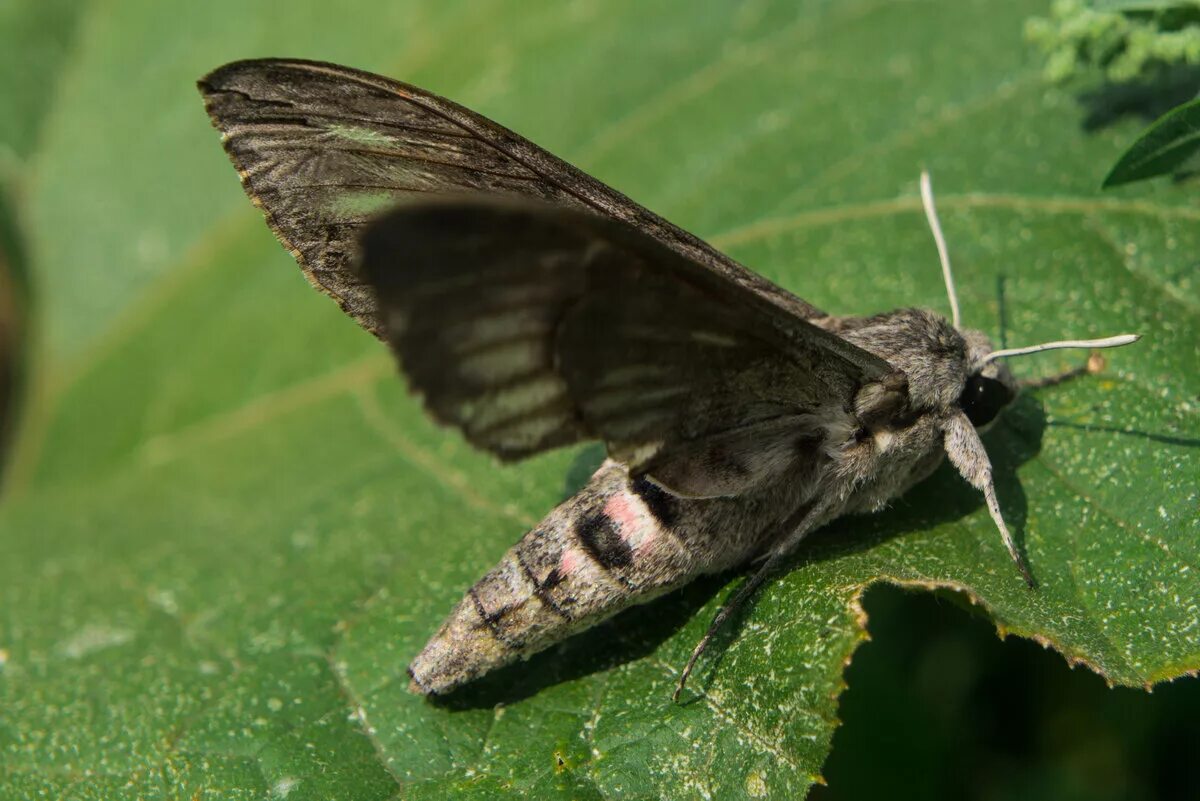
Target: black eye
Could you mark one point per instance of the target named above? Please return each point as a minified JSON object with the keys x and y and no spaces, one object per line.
{"x":983,"y":398}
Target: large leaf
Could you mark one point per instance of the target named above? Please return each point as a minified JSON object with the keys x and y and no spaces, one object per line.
{"x":228,"y":527}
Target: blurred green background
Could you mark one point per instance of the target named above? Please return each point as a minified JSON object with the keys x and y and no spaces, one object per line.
{"x":226,"y":527}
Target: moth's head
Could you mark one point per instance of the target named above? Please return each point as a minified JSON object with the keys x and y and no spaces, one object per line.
{"x":990,"y":385}
{"x":987,"y":388}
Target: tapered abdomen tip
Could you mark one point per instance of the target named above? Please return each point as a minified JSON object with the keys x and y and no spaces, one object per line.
{"x":414,"y":686}
{"x":464,"y":648}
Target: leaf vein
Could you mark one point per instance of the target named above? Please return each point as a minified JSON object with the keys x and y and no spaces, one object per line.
{"x":445,"y":475}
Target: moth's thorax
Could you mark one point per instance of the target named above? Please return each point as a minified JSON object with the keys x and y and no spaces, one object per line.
{"x":920,"y":343}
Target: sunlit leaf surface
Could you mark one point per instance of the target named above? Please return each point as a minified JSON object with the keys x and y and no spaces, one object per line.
{"x":227,"y":527}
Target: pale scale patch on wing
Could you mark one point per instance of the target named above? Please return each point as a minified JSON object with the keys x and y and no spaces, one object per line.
{"x":506,"y":324}
{"x":513,"y":401}
{"x":628,"y":374}
{"x":503,"y":362}
{"x":462,"y":292}
{"x":530,"y":434}
{"x":360,"y":135}
{"x":364,"y":204}
{"x":425,"y":147}
{"x":714,"y":338}
{"x":617,"y":403}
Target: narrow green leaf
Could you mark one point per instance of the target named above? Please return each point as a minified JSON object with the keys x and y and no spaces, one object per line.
{"x":1165,"y":147}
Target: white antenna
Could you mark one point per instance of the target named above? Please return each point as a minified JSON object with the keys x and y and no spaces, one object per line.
{"x":936,"y":227}
{"x":1107,"y":342}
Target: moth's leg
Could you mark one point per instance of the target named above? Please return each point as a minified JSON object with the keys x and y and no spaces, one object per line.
{"x":969,"y":457}
{"x":736,"y":603}
{"x":1093,"y":365}
{"x":799,"y":525}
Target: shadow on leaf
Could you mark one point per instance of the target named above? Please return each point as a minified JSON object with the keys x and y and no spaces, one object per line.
{"x":588,"y":461}
{"x":14,"y":300}
{"x":1165,"y":439}
{"x":1145,"y":100}
{"x":631,"y":635}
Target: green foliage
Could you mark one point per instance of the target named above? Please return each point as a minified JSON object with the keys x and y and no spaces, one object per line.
{"x":228,"y":527}
{"x":1125,"y":39}
{"x":1167,"y":146}
{"x":939,"y":707}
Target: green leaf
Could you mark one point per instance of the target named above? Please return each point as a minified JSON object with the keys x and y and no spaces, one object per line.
{"x":1165,"y":147}
{"x":228,"y":527}
{"x":1125,"y":40}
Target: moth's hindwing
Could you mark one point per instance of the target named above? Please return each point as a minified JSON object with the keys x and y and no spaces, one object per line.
{"x":529,"y":326}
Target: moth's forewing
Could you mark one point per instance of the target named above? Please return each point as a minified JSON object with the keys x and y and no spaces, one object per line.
{"x":322,"y":149}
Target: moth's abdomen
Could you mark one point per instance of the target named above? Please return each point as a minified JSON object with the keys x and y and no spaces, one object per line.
{"x":612,"y":545}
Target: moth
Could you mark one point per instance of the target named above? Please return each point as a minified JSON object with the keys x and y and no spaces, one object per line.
{"x":532,"y":307}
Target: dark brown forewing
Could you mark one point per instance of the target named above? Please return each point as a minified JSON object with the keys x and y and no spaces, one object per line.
{"x":530,"y":326}
{"x":323,"y":148}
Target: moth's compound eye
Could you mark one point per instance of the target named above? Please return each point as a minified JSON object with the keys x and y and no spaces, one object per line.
{"x":983,"y":398}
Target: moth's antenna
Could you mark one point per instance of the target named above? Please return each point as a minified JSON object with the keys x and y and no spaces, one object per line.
{"x":936,"y":227}
{"x":1107,"y":342}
